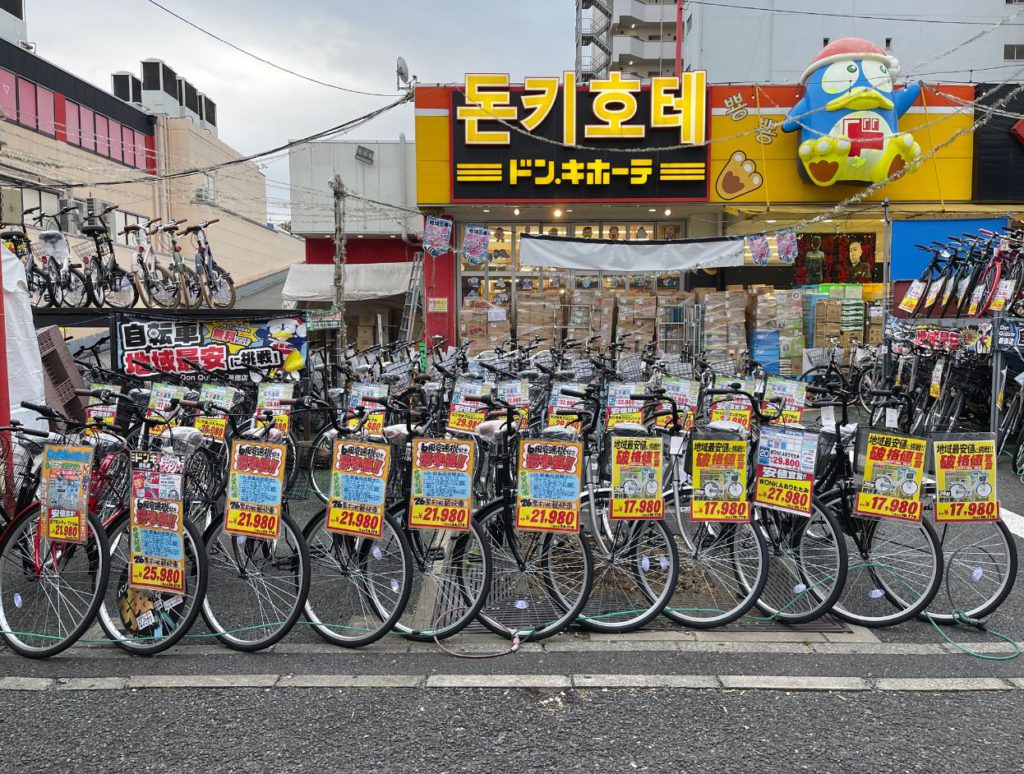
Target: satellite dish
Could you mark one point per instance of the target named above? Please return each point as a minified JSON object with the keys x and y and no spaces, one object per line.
{"x":402,"y":72}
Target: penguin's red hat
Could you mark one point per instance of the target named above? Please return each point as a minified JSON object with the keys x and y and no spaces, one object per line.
{"x":851,"y":48}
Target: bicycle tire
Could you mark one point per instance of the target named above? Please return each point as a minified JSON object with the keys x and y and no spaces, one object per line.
{"x":162,"y":290}
{"x":76,"y":293}
{"x":190,"y":289}
{"x":451,"y":578}
{"x":712,"y":556}
{"x":20,"y":593}
{"x":807,"y":566}
{"x":990,"y":282}
{"x":532,"y":603}
{"x":97,"y":291}
{"x":635,"y":579}
{"x":168,"y":611}
{"x":1018,"y":459}
{"x":874,"y":582}
{"x":220,"y":291}
{"x":969,"y":547}
{"x":41,"y":293}
{"x":227,"y":607}
{"x":121,"y":290}
{"x":318,"y":463}
{"x":346,"y":591}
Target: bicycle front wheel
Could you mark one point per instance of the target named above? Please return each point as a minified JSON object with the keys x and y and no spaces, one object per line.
{"x":40,"y":289}
{"x":360,"y":585}
{"x":161,"y":289}
{"x":257,"y":587}
{"x":635,"y":571}
{"x":74,"y":289}
{"x":50,"y":590}
{"x":190,"y":289}
{"x":218,"y":289}
{"x":150,"y":622}
{"x":541,"y":580}
{"x":980,"y":569}
{"x":121,"y":290}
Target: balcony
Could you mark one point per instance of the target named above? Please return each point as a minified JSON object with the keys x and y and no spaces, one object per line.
{"x":625,"y":49}
{"x":638,"y":12}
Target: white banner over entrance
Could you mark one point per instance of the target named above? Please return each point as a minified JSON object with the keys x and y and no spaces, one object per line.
{"x":623,"y":257}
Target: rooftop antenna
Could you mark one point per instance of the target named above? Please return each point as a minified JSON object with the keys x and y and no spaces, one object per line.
{"x":401,"y":73}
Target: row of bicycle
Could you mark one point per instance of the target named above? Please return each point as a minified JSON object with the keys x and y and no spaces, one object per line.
{"x":90,"y":274}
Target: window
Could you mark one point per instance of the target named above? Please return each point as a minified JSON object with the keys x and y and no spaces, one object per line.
{"x":44,"y":108}
{"x":116,"y":152}
{"x":689,"y":22}
{"x":824,"y":41}
{"x":1013,"y":51}
{"x":88,"y":128}
{"x":8,"y":95}
{"x":27,"y":103}
{"x":102,"y":136}
{"x":888,"y":43}
{"x":140,"y":150}
{"x":128,"y":143}
{"x":73,"y":127}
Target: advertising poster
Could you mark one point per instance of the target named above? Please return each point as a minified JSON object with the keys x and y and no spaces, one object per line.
{"x":685,"y":393}
{"x":560,"y":402}
{"x":719,"y":480}
{"x":157,"y":557}
{"x":785,"y":469}
{"x":160,"y":399}
{"x":548,"y":495}
{"x":892,"y":477}
{"x":622,"y":408}
{"x":214,"y":427}
{"x":464,"y":416}
{"x":441,"y":495}
{"x":357,"y":395}
{"x":269,"y":397}
{"x":734,"y":409}
{"x":965,"y":479}
{"x":794,"y":398}
{"x":64,"y":493}
{"x":636,"y":478}
{"x":835,"y":258}
{"x":437,"y":235}
{"x":359,"y":477}
{"x":228,"y":347}
{"x":255,"y":489}
{"x":474,"y":244}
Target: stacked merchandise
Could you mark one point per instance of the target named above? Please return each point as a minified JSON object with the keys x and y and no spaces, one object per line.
{"x":875,"y":325}
{"x":789,"y":314}
{"x":366,"y":328}
{"x":539,"y":315}
{"x":591,"y":312}
{"x":828,"y":316}
{"x":674,"y":315}
{"x":725,"y":327}
{"x":637,"y":318}
{"x":852,"y":322}
{"x":483,"y":324}
{"x":763,"y":324}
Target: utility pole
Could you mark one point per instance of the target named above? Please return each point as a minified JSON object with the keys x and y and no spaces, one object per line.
{"x":338,"y":188}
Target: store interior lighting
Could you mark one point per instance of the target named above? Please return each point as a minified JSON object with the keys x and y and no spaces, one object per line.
{"x":515,"y":211}
{"x":667,"y":212}
{"x":557,"y":213}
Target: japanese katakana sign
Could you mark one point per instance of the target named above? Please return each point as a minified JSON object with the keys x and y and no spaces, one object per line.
{"x":521,"y":143}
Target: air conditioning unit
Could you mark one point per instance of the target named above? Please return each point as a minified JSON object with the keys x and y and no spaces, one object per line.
{"x":71,"y":222}
{"x":95,"y":206}
{"x":203,"y":195}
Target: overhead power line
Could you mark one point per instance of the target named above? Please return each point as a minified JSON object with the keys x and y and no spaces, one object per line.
{"x":836,"y":15}
{"x":267,"y":62}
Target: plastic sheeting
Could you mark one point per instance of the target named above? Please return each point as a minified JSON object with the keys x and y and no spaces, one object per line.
{"x":623,"y":257}
{"x":24,"y":366}
{"x":314,"y":282}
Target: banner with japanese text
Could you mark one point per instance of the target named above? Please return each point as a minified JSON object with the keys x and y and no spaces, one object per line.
{"x":359,"y":477}
{"x":255,"y":489}
{"x":157,"y":555}
{"x":441,"y":495}
{"x":785,"y":469}
{"x":64,"y":493}
{"x":965,"y":478}
{"x":719,"y":480}
{"x":636,"y":478}
{"x":892,"y":477}
{"x":548,"y":495}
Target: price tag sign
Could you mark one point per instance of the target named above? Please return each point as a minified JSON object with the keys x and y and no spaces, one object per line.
{"x":441,"y":495}
{"x":516,"y":393}
{"x":740,"y":416}
{"x":357,"y":396}
{"x":103,"y":413}
{"x":685,"y":393}
{"x":965,"y":479}
{"x":892,"y":477}
{"x":465,"y":417}
{"x":359,"y":477}
{"x":913,"y":296}
{"x":160,"y":398}
{"x":558,"y":402}
{"x":719,"y":480}
{"x":933,"y":294}
{"x":621,"y":408}
{"x":1003,"y":292}
{"x":935,"y":388}
{"x":785,"y":469}
{"x":269,"y":397}
{"x":636,"y":478}
{"x":64,"y":493}
{"x":157,"y":555}
{"x":548,"y":495}
{"x":794,"y":399}
{"x":255,"y":489}
{"x":215,"y":427}
{"x":976,"y":296}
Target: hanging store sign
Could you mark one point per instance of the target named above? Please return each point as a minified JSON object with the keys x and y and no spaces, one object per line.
{"x":255,"y":489}
{"x":516,"y":143}
{"x":359,"y":477}
{"x":892,"y":477}
{"x":64,"y":492}
{"x":965,"y":479}
{"x":157,"y":549}
{"x":548,"y":494}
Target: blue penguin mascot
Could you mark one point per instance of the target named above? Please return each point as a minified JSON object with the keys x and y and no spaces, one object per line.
{"x":849,"y":115}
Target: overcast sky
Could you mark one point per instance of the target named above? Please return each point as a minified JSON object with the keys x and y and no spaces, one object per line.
{"x":352,"y":43}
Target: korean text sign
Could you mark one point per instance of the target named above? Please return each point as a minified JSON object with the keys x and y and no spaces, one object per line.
{"x":64,"y":500}
{"x":719,"y":480}
{"x":359,"y":477}
{"x":636,"y":478}
{"x":441,"y":495}
{"x":157,"y":556}
{"x":892,"y":477}
{"x":255,"y":489}
{"x":548,"y":495}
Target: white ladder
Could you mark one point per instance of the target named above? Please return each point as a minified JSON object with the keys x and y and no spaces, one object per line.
{"x":413,"y":297}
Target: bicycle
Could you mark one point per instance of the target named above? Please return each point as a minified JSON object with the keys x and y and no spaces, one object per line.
{"x":40,"y":290}
{"x":155,"y":285}
{"x":108,"y":282}
{"x":217,"y":286}
{"x":69,"y":285}
{"x":190,"y":290}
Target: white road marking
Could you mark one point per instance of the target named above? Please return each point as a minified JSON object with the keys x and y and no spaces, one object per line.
{"x":1014,"y":522}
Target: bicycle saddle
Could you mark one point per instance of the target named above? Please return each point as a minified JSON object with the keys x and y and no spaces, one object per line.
{"x":12,"y":234}
{"x":560,"y":433}
{"x":630,"y":430}
{"x":92,"y":229}
{"x":492,"y":429}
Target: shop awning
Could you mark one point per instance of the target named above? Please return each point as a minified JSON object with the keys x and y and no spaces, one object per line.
{"x":622,"y":257}
{"x":309,"y":282}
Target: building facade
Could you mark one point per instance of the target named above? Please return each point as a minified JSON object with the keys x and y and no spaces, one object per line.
{"x":634,"y":37}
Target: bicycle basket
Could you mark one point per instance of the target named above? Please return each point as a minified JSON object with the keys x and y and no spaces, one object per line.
{"x":86,"y":250}
{"x":674,"y":366}
{"x":631,"y":368}
{"x":583,"y":369}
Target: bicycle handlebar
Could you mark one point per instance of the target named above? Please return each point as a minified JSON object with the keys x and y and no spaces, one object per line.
{"x":753,"y":402}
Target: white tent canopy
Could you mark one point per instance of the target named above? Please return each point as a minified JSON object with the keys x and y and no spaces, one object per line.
{"x":24,"y":366}
{"x":620,"y":257}
{"x":309,"y":282}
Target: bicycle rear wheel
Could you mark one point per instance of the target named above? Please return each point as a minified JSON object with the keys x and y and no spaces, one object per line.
{"x":980,"y":561}
{"x":635,"y":571}
{"x":150,"y":622}
{"x":121,"y":290}
{"x":541,"y":580}
{"x":722,"y":569}
{"x":161,"y":289}
{"x":218,"y":289}
{"x":74,"y":289}
{"x":360,"y":586}
{"x":190,"y":289}
{"x":257,"y":588}
{"x":49,"y":590}
{"x":40,"y":289}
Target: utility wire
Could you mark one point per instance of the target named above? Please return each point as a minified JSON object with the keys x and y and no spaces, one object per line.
{"x":797,"y":12}
{"x":259,"y":58}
